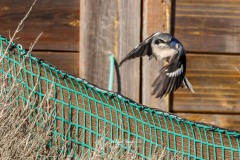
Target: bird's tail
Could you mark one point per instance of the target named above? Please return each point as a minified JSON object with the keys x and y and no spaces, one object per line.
{"x":188,"y":84}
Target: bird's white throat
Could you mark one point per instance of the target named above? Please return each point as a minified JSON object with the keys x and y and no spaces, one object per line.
{"x":163,"y":53}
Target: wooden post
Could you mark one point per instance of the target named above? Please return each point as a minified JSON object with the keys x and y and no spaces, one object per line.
{"x":129,"y":37}
{"x":156,"y":18}
{"x":110,"y":27}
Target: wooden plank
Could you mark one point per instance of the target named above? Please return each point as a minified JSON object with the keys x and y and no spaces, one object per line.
{"x":66,"y":61}
{"x":110,"y":27}
{"x":208,"y":26}
{"x":156,"y":18}
{"x":96,"y":40}
{"x":58,"y":20}
{"x":231,"y":122}
{"x":129,"y":36}
{"x":216,"y":81}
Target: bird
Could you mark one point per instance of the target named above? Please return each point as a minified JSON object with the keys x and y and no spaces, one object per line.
{"x":165,"y":47}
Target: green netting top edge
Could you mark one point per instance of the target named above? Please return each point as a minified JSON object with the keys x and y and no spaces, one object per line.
{"x":111,"y":94}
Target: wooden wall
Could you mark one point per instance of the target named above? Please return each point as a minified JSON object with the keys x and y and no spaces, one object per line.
{"x":59,"y":22}
{"x":110,"y":27}
{"x":116,"y":27}
{"x":209,"y":30}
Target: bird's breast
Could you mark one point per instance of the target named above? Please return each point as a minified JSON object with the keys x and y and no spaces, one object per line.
{"x":164,"y":53}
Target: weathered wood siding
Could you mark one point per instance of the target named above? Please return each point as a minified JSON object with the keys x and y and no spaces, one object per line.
{"x":208,"y":26}
{"x":156,"y":18}
{"x":110,"y":27}
{"x":210,"y":32}
{"x":59,"y":22}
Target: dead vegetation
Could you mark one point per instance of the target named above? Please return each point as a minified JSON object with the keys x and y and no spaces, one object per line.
{"x":26,"y":131}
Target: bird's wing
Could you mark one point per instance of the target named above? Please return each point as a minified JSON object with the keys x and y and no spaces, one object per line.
{"x":171,"y":77}
{"x":144,"y":48}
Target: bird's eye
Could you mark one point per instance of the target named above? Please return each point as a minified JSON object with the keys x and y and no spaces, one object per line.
{"x":158,"y":41}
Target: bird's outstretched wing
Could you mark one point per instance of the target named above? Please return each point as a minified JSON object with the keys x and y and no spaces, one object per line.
{"x":144,"y":48}
{"x":171,"y":77}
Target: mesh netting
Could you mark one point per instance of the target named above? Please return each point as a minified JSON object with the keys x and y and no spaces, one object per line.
{"x":84,"y":113}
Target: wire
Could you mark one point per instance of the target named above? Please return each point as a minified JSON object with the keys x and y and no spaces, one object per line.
{"x":111,"y":72}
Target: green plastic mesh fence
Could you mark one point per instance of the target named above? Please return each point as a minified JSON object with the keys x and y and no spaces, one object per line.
{"x":84,"y":113}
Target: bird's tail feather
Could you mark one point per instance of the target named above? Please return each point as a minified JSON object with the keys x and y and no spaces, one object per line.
{"x":188,"y":84}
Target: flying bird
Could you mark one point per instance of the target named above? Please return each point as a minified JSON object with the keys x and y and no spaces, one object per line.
{"x":163,"y":46}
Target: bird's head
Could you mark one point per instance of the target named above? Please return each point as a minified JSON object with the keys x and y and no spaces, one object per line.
{"x":165,"y":46}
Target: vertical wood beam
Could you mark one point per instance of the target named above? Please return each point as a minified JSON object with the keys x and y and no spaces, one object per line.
{"x":110,"y":27}
{"x":129,"y":37}
{"x":156,"y":18}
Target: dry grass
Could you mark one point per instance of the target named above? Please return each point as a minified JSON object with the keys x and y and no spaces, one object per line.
{"x":114,"y":151}
{"x":25,"y":132}
{"x":21,"y":136}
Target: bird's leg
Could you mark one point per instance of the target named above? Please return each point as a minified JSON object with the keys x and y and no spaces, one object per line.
{"x":152,"y":56}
